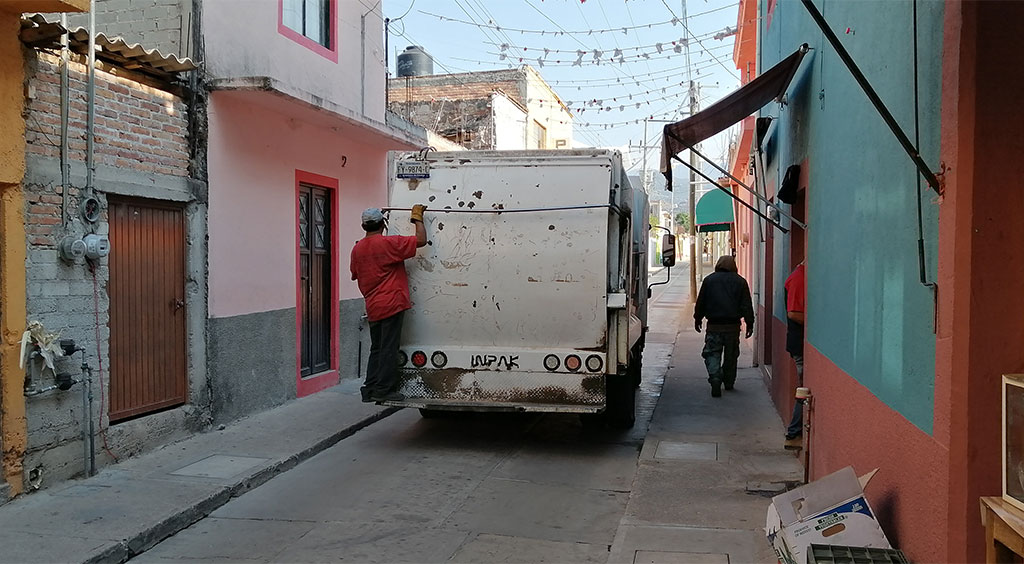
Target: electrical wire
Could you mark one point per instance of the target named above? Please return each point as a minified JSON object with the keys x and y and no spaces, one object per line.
{"x":690,"y":33}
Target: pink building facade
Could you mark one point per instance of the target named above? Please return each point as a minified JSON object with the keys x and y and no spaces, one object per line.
{"x":297,"y":146}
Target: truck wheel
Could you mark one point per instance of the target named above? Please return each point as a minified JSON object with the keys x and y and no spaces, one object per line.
{"x":429,"y":413}
{"x":636,"y":365}
{"x":621,"y":393}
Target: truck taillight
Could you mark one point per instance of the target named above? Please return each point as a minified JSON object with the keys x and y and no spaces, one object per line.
{"x":419,"y":359}
{"x":439,"y":359}
{"x":551,"y":362}
{"x":594,"y":363}
{"x":402,"y":358}
{"x":573,"y":363}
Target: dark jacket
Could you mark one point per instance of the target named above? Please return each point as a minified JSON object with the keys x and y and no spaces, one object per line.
{"x":724,"y":299}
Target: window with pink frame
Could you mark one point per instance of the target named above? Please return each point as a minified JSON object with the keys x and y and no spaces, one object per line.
{"x":310,"y":23}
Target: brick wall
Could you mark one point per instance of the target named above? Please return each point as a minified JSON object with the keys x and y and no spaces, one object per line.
{"x":467,"y":122}
{"x":156,"y":24}
{"x":140,"y":131}
{"x":137,"y":126}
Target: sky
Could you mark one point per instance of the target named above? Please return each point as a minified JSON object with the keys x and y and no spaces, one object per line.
{"x":582,"y":38}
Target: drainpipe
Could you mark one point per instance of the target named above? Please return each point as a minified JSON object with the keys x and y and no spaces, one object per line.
{"x":91,"y":117}
{"x":65,"y":96}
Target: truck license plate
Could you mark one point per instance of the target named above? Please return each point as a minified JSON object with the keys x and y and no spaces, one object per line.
{"x":413,"y":169}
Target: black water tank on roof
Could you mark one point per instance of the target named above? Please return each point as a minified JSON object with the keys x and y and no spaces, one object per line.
{"x":414,"y":61}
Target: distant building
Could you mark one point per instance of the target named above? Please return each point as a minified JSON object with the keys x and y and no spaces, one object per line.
{"x":505,"y":109}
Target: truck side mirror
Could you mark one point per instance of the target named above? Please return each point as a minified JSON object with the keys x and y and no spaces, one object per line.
{"x":668,"y":250}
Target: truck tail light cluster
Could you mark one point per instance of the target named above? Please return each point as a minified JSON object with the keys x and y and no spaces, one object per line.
{"x":573,"y":363}
{"x":419,"y":359}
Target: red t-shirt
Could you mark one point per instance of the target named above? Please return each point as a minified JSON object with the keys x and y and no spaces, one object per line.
{"x":378,"y":265}
{"x":796,"y":290}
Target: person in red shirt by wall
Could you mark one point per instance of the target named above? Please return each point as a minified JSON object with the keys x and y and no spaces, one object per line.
{"x":796,"y":304}
{"x":378,"y":266}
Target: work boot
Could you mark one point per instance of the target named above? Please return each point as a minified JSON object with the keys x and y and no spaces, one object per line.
{"x":365,"y":393}
{"x":716,"y":388}
{"x":795,"y":443}
{"x":730,"y":385}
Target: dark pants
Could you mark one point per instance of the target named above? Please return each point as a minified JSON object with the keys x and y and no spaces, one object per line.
{"x":382,"y":366}
{"x":796,"y":424}
{"x":721,"y":350}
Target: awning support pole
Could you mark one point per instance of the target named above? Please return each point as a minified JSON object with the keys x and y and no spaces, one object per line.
{"x":757,"y":195}
{"x":731,"y":195}
{"x":887,"y":117}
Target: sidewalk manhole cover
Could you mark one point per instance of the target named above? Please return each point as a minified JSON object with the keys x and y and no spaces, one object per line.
{"x":653,"y":557}
{"x":219,"y":466}
{"x":669,"y":450}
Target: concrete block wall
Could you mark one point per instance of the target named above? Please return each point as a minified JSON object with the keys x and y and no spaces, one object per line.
{"x":141,"y":149}
{"x":156,"y":24}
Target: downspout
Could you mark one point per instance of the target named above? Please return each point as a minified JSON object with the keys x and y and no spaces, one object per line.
{"x":65,"y":96}
{"x":91,"y":116}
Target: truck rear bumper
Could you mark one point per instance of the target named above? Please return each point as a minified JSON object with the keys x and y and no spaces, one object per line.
{"x":490,"y":406}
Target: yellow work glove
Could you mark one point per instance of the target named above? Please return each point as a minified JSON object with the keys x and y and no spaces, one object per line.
{"x":417,"y":213}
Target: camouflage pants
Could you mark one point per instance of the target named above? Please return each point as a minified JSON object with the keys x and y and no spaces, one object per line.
{"x":721,"y":350}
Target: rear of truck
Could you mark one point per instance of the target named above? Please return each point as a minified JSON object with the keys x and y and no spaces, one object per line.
{"x":528,"y":296}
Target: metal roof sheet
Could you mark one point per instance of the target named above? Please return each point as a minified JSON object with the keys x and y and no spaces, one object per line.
{"x":37,"y":31}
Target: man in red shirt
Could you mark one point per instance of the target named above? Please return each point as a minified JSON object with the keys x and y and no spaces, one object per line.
{"x":796,"y":305}
{"x":378,"y":266}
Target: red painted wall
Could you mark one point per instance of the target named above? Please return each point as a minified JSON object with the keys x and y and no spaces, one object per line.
{"x":981,"y":255}
{"x":908,"y":492}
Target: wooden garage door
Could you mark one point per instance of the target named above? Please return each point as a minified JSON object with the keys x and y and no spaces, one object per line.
{"x":147,"y":307}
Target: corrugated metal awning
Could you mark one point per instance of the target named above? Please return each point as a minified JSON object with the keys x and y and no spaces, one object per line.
{"x":37,"y":31}
{"x":749,"y":98}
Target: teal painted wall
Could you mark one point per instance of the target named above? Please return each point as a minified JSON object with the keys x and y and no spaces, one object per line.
{"x":867,"y":310}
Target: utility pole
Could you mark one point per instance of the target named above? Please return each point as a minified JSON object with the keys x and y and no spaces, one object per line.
{"x":693,"y":162}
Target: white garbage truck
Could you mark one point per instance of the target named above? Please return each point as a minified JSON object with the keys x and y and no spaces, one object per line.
{"x":531,"y":294}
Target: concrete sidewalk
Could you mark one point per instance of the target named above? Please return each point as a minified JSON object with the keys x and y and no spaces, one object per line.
{"x":129,"y":507}
{"x":709,"y":466}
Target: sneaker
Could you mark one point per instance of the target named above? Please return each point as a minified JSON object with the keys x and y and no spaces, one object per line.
{"x":796,"y":443}
{"x":716,"y":388}
{"x":392,"y":396}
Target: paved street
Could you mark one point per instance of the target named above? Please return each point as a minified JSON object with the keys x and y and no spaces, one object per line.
{"x":527,"y":488}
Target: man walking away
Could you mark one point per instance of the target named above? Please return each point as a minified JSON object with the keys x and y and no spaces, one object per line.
{"x":723,"y":300}
{"x":796,"y":298}
{"x":378,"y":265}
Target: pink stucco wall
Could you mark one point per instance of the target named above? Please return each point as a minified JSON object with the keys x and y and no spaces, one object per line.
{"x":243,"y":39}
{"x":257,"y":142}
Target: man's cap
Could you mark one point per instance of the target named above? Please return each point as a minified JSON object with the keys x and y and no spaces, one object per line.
{"x":372,"y":215}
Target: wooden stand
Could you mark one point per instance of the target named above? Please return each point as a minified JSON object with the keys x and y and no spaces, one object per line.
{"x":1004,"y":530}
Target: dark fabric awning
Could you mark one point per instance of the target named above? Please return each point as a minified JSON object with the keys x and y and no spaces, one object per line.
{"x":751,"y":97}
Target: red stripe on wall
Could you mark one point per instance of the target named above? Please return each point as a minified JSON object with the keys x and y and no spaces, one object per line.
{"x":852,"y":427}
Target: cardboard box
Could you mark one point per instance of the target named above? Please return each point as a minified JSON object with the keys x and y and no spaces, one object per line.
{"x":832,"y":510}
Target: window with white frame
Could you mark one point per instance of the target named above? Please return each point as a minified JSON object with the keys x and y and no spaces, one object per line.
{"x":311,"y":18}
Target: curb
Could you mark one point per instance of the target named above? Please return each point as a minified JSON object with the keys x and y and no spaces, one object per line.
{"x":186,"y":517}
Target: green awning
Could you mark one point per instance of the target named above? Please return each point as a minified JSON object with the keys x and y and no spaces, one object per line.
{"x":714,"y":211}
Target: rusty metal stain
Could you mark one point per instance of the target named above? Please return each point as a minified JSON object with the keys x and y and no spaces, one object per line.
{"x":451,"y":264}
{"x":531,"y":279}
{"x":593,"y":384}
{"x":459,"y":284}
{"x":425,"y":264}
